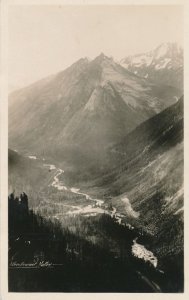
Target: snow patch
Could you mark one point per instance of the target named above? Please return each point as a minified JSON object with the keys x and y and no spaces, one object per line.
{"x":163,"y":64}
{"x":130,"y":211}
{"x":161,"y":51}
{"x":177,"y":195}
{"x":179,"y":210}
{"x":32,"y":157}
{"x":142,"y":59}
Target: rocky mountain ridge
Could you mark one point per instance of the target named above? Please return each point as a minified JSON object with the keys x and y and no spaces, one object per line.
{"x":162,"y":65}
{"x":91,"y":103}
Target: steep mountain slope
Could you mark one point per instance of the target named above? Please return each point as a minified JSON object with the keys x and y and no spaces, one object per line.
{"x":77,"y":113}
{"x":147,"y":155}
{"x":163,"y":65}
{"x":146,"y":179}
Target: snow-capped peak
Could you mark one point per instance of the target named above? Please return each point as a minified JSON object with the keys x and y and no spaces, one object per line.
{"x":162,"y":50}
{"x":165,"y":50}
{"x":166,"y":57}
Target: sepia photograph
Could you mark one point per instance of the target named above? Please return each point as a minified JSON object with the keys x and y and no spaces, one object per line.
{"x":95,"y":148}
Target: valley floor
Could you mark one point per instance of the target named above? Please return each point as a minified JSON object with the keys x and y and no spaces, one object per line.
{"x":86,"y":223}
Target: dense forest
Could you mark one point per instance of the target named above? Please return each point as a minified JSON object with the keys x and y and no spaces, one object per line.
{"x":46,"y":256}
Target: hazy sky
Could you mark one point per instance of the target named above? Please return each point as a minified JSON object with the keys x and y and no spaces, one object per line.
{"x":47,"y":39}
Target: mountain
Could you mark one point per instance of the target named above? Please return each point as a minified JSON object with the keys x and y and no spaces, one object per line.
{"x":163,"y":65}
{"x":145,"y":184}
{"x":145,"y":181}
{"x":143,"y":161}
{"x":76,"y":114}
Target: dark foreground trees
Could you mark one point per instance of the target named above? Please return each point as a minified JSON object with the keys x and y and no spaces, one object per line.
{"x":45,"y":256}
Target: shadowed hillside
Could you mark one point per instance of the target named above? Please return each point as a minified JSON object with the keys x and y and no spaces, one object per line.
{"x":147,"y":176}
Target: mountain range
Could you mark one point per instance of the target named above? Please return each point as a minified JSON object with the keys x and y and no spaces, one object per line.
{"x":117,"y":131}
{"x":162,"y":65}
{"x":83,"y":110}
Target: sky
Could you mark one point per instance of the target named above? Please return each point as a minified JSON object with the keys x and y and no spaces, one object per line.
{"x":46,"y":39}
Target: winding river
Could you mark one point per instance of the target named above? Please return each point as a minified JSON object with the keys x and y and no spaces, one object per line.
{"x":96,"y":206}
